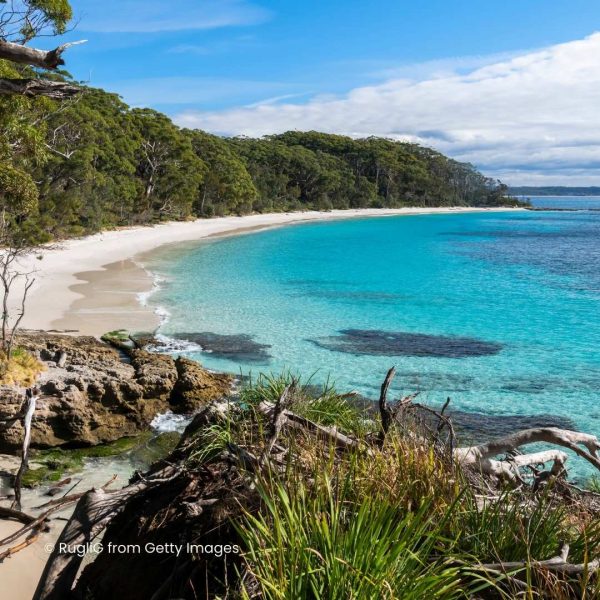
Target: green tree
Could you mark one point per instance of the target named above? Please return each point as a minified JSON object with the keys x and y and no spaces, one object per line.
{"x":169,"y":169}
{"x":227,"y":186}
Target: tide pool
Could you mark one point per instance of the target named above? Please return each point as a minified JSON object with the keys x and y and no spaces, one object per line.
{"x":499,"y":311}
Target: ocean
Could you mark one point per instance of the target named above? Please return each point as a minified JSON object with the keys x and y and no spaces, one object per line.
{"x":498,"y":311}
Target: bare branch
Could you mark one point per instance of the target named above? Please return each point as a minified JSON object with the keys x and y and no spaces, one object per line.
{"x":31,"y":400}
{"x":557,"y":564}
{"x":44,"y":59}
{"x":58,"y":90}
{"x":384,"y":409}
{"x":573,"y":440}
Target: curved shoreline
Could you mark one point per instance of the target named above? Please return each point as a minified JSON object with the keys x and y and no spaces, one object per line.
{"x":94,"y":284}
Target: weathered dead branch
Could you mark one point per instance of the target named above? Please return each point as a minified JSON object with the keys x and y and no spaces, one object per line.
{"x":557,"y":564}
{"x":35,"y":534}
{"x":30,"y":88}
{"x":294,"y":421}
{"x":481,"y":456}
{"x":25,"y":55}
{"x":278,"y":419}
{"x":31,"y":395}
{"x":35,"y":522}
{"x":15,"y":515}
{"x":385,"y":412}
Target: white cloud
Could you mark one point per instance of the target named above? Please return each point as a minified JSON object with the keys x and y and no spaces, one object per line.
{"x":155,"y":16}
{"x":532,"y":117}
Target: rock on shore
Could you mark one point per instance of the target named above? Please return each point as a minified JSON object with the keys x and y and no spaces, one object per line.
{"x":92,"y":393}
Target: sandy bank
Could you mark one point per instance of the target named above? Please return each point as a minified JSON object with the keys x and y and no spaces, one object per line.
{"x":92,"y":284}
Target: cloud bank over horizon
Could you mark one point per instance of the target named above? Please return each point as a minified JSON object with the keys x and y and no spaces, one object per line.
{"x":529,"y":119}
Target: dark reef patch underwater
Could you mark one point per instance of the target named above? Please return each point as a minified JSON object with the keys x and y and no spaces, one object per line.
{"x":238,"y":347}
{"x":376,"y":342}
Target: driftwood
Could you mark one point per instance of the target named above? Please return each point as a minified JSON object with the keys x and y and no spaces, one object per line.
{"x":15,"y":515}
{"x":94,"y":511}
{"x":31,"y":396}
{"x":557,"y":564}
{"x":35,"y":522}
{"x":56,"y":489}
{"x":482,"y":456}
{"x":73,"y":497}
{"x":294,"y":421}
{"x":35,"y":534}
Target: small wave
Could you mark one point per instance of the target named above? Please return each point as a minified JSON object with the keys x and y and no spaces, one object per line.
{"x":168,"y":345}
{"x":169,"y":421}
{"x":143,"y":297}
{"x":163,"y":314}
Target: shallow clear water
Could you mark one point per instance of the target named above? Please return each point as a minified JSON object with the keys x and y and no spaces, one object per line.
{"x":523,"y":289}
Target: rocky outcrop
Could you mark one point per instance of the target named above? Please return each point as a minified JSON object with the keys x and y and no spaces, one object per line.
{"x":196,"y":386}
{"x":92,"y":393}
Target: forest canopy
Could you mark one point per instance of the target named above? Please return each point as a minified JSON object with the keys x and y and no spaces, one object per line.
{"x":97,"y":163}
{"x":75,"y":160}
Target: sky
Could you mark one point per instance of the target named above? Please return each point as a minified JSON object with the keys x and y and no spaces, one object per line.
{"x":512,"y":86}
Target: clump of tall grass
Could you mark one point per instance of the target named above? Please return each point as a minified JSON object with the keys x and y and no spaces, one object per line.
{"x":319,"y":543}
{"x":319,"y":403}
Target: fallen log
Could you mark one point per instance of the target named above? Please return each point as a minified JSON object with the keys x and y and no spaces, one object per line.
{"x":94,"y":511}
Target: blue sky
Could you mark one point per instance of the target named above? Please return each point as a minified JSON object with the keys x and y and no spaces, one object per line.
{"x":235,"y":66}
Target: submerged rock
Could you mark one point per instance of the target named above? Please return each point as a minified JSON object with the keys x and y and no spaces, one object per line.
{"x":92,"y":393}
{"x":238,"y":347}
{"x":391,"y":343}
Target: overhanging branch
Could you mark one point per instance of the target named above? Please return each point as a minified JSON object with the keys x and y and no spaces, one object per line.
{"x":24,"y":55}
{"x":59,"y":90}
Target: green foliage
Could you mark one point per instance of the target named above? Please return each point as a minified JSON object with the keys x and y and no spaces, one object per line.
{"x":58,"y":12}
{"x":319,"y":544}
{"x":24,"y":20}
{"x":321,"y":404}
{"x":227,"y":185}
{"x":18,"y":192}
{"x":594,"y":484}
{"x":100,"y":164}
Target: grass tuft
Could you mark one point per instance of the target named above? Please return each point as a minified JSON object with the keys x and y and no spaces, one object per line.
{"x":22,"y":369}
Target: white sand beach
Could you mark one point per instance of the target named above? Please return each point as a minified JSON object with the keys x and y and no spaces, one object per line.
{"x":92,"y":285}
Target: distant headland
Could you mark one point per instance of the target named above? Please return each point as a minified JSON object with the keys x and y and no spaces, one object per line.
{"x":554,"y":190}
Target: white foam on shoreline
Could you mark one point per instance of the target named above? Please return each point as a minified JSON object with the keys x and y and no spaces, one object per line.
{"x":169,"y":345}
{"x":144,"y":297}
{"x":169,"y":421}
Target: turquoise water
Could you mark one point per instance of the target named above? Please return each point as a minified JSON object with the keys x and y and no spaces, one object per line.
{"x":499,"y":311}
